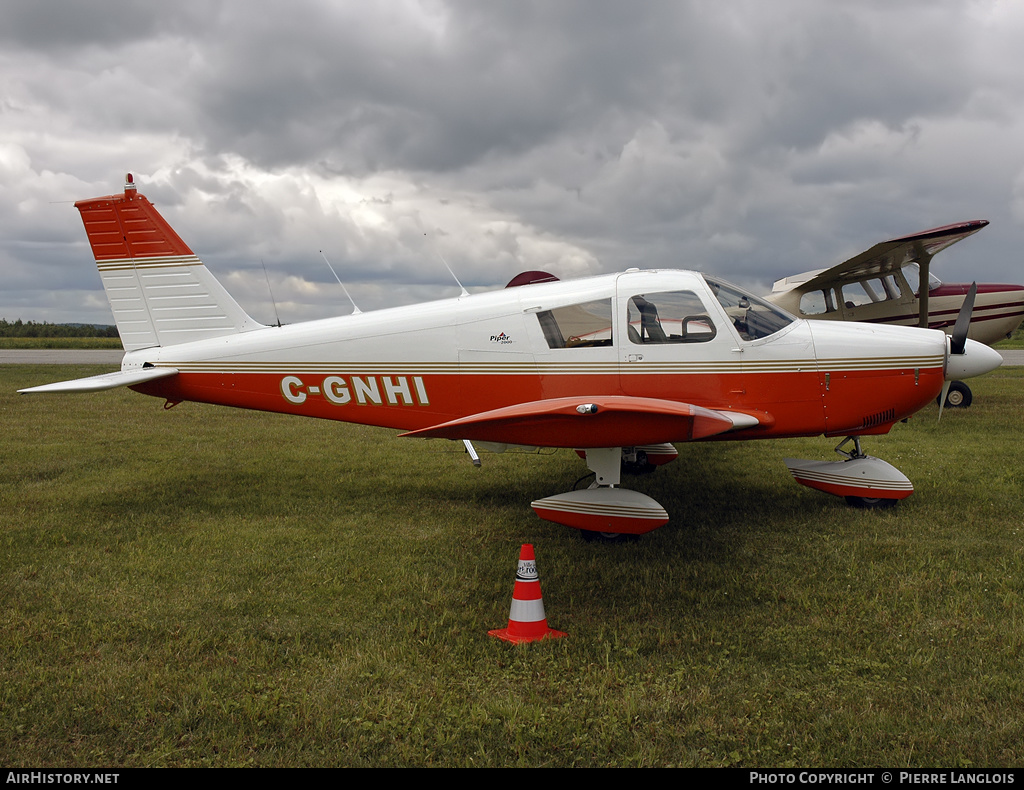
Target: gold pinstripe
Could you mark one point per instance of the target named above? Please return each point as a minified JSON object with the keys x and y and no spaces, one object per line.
{"x":833,"y":479}
{"x":161,"y":262}
{"x":556,"y":368}
{"x":601,"y":509}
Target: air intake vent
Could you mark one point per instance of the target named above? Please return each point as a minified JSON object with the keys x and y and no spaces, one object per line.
{"x":883,"y":417}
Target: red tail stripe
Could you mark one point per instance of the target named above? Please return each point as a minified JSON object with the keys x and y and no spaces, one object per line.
{"x":121,"y":227}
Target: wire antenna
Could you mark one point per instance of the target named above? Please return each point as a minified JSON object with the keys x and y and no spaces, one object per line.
{"x":355,"y":310}
{"x":271,"y":290}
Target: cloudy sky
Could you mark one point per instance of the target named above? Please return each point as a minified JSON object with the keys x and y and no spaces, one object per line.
{"x":746,"y":138}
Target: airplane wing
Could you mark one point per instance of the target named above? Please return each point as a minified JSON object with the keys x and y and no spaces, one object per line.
{"x":891,"y":255}
{"x":106,"y":381}
{"x":599,"y":421}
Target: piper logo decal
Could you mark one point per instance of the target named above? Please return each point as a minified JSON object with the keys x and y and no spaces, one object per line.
{"x":362,"y":390}
{"x":501,"y":339}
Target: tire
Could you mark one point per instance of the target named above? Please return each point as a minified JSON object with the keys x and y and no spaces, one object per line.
{"x":959,"y":396}
{"x":871,"y":503}
{"x":605,"y":537}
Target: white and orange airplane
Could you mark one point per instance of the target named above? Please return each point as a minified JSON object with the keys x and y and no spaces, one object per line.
{"x":618,"y":367}
{"x":891,"y":283}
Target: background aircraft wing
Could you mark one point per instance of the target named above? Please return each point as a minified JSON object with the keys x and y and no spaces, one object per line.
{"x":586,"y":422}
{"x":889,"y":256}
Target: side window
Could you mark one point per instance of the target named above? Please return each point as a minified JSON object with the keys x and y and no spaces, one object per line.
{"x":817,"y":303}
{"x":866,"y":292}
{"x":857,"y":294}
{"x":669,"y":317}
{"x":584,"y":325}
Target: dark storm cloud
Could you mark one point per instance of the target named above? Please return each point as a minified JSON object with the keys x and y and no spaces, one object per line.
{"x":368,"y":89}
{"x":63,"y":30}
{"x":750,"y":139}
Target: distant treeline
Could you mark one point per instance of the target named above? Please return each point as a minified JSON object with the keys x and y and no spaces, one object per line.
{"x":21,"y":328}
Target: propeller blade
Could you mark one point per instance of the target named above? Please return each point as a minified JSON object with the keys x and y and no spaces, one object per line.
{"x":942,"y":398}
{"x":963,"y":322}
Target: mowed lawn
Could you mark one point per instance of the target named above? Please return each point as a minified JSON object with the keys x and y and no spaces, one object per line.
{"x":212,"y":587}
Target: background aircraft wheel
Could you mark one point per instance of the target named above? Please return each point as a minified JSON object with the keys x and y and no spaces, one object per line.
{"x":959,"y":396}
{"x":871,"y":503}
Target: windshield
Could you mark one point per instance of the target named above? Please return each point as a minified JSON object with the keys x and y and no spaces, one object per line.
{"x":752,"y":317}
{"x":912,"y":272}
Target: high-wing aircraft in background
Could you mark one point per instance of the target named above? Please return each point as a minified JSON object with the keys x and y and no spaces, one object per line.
{"x":618,"y":366}
{"x":891,"y":284}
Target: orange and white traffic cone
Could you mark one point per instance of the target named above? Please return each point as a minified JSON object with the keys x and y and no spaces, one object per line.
{"x":526,"y":620}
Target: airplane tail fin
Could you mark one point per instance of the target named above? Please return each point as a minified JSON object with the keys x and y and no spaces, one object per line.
{"x":161,"y":294}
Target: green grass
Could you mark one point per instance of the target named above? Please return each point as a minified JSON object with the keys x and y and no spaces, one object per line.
{"x":1016,"y":341}
{"x":60,"y":342}
{"x":206,"y":586}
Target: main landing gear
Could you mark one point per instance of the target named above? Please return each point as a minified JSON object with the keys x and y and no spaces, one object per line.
{"x":606,"y":511}
{"x":604,"y":508}
{"x":864,"y":481}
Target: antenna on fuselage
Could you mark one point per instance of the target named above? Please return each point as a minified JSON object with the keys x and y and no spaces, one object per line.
{"x":271,"y":290}
{"x":449,"y":268}
{"x":355,"y":310}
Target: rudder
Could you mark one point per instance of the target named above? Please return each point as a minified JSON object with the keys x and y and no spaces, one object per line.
{"x":161,"y":294}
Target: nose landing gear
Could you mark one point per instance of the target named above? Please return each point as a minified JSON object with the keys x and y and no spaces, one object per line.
{"x":864,"y":481}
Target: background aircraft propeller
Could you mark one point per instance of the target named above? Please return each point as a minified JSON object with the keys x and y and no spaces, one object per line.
{"x":958,"y":340}
{"x":963,"y":322}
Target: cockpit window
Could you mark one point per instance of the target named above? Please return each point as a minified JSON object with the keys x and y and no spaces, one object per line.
{"x":584,"y":325}
{"x":669,"y":317}
{"x":912,"y":272}
{"x":752,"y":317}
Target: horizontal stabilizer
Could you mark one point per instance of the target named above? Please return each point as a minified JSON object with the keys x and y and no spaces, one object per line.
{"x":589,"y":422}
{"x":106,"y":381}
